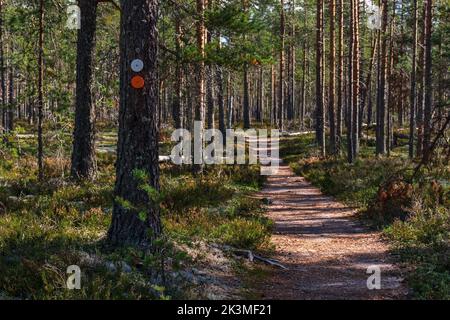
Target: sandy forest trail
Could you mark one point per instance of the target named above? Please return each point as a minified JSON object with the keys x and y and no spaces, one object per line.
{"x":326,"y":249}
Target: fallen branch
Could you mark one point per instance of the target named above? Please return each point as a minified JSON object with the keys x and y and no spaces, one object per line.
{"x":252,"y":257}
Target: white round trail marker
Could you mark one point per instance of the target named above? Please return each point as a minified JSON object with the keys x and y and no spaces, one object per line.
{"x":137,"y":65}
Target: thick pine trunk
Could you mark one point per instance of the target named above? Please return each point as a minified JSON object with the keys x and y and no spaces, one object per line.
{"x":137,"y":223}
{"x":83,"y":154}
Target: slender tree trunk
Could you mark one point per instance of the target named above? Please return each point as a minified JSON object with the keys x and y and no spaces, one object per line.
{"x":138,"y":222}
{"x":210,"y":97}
{"x":421,"y":93}
{"x":11,"y":99}
{"x":292,"y":65}
{"x":178,"y":115}
{"x":200,"y":104}
{"x":303,"y":87}
{"x":3,"y":125}
{"x":246,"y":99}
{"x":220,"y":101}
{"x":350,"y":109}
{"x":273,"y":99}
{"x":427,"y":79}
{"x":40,"y":99}
{"x":340,"y":86}
{"x":332,"y":77}
{"x":381,"y":94}
{"x":389,"y":84}
{"x":83,"y":154}
{"x":281,"y":75}
{"x":260,"y":104}
{"x":320,"y":113}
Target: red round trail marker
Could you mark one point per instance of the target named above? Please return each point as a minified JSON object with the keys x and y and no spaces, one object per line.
{"x":137,"y":82}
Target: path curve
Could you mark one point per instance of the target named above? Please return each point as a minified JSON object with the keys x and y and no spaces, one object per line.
{"x":326,"y":249}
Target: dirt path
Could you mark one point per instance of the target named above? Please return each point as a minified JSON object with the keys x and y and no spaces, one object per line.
{"x":325,"y":248}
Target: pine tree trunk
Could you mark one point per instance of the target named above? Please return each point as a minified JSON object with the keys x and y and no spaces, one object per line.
{"x":40,"y":100}
{"x":320,"y":113}
{"x":200,"y":72}
{"x":3,"y":125}
{"x":303,"y":88}
{"x":246,"y":99}
{"x":427,"y":79}
{"x":83,"y":154}
{"x":421,"y":93}
{"x":332,"y":77}
{"x":381,"y":94}
{"x":281,"y":75}
{"x":340,"y":86}
{"x":11,"y":100}
{"x":356,"y":80}
{"x":178,"y":115}
{"x":137,"y":223}
{"x":220,"y":101}
{"x":350,"y":109}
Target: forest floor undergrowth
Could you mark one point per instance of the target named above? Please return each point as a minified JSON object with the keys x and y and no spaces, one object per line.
{"x":47,"y":226}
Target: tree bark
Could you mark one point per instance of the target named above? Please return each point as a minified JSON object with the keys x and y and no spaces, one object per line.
{"x":3,"y":125}
{"x":40,"y":98}
{"x":83,"y":154}
{"x":137,"y":154}
{"x":281,"y":75}
{"x":332,"y":78}
{"x":427,"y":80}
{"x":200,"y":66}
{"x":381,"y":93}
{"x":320,"y":113}
{"x":340,"y":86}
